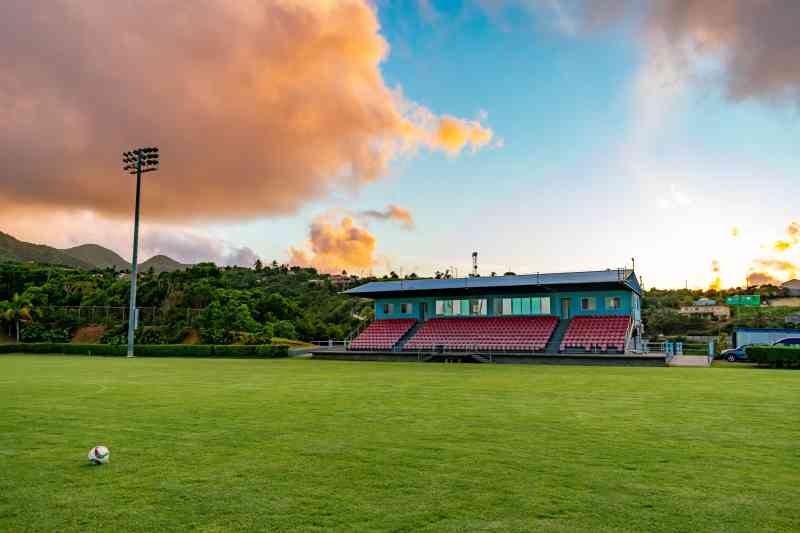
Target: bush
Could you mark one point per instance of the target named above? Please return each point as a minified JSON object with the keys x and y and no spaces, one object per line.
{"x":149,"y":350}
{"x":774,"y":356}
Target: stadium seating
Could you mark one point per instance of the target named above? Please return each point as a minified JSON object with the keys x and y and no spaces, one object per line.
{"x":522,"y":333}
{"x":591,"y":333}
{"x":382,"y":334}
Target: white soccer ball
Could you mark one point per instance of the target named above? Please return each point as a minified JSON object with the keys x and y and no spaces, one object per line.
{"x":99,"y":455}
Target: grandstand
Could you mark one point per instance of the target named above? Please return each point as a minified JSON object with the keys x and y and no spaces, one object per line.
{"x":596,"y":312}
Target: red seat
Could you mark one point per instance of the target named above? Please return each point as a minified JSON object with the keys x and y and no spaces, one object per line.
{"x":484,"y":333}
{"x":596,"y":333}
{"x":382,"y":334}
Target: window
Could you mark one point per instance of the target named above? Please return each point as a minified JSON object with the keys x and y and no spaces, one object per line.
{"x":405,"y":309}
{"x":516,"y":305}
{"x":588,"y":304}
{"x":498,"y":306}
{"x":545,"y":306}
{"x":506,"y":306}
{"x":456,"y":305}
{"x":477,"y":307}
{"x":439,"y":307}
{"x":388,"y":309}
{"x":526,"y":306}
{"x":613,"y":302}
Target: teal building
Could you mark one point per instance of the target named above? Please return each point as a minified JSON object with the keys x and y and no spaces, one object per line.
{"x":564,"y":295}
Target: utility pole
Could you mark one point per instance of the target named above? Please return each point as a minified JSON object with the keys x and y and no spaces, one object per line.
{"x":136,"y":162}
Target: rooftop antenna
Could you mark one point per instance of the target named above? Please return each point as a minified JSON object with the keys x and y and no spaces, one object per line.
{"x":633,"y":264}
{"x":474,"y":265}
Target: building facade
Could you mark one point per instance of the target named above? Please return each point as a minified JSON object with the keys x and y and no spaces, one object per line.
{"x":562,"y":295}
{"x":707,"y":311}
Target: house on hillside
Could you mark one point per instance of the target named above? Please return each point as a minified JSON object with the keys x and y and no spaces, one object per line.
{"x":706,"y":311}
{"x":793,"y":286}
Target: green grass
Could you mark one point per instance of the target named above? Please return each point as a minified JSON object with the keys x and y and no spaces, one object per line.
{"x":304,"y":445}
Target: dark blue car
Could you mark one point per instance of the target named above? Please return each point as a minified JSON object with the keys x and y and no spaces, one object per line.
{"x":735,"y":354}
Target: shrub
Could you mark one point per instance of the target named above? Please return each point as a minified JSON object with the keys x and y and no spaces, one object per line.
{"x":149,"y":350}
{"x":774,"y":356}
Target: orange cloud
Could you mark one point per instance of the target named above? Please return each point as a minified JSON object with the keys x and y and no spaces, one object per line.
{"x":454,"y":134}
{"x":716,"y":284}
{"x":258,"y":107}
{"x":793,"y":238}
{"x":777,"y":265}
{"x":336,"y":246}
{"x":715,"y":266}
{"x":392,"y":212}
{"x":734,"y":232}
{"x":755,"y":279}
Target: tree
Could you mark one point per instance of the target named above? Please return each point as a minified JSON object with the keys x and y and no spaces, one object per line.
{"x":19,"y":309}
{"x":258,"y":266}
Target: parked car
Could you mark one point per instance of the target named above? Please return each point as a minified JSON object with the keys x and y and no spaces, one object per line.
{"x":788,"y":341}
{"x":735,"y":354}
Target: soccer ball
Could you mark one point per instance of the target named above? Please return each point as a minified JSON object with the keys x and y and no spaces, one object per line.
{"x":99,"y":455}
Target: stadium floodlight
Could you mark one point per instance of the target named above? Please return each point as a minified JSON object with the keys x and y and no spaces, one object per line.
{"x":136,"y":162}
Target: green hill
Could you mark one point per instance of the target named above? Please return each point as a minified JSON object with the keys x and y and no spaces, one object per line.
{"x":85,"y":256}
{"x":161,"y":263}
{"x":98,"y":256}
{"x":12,"y":249}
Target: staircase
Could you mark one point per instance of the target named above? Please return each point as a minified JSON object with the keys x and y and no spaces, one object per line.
{"x":554,"y":343}
{"x":398,"y":346}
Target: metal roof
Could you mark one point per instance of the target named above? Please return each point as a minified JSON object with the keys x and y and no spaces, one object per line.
{"x":616,"y":276}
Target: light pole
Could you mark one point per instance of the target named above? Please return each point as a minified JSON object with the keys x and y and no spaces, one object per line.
{"x":136,"y":162}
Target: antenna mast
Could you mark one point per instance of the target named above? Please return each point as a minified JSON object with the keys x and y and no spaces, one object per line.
{"x":474,"y":265}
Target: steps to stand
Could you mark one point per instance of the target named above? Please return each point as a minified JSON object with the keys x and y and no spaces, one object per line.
{"x":400,"y":344}
{"x":558,"y":335}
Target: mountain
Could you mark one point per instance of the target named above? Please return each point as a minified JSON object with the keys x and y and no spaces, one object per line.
{"x":100,"y":257}
{"x":85,"y":256}
{"x":161,"y":263}
{"x":12,"y":249}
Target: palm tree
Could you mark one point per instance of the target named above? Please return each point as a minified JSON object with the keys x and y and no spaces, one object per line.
{"x":19,"y":309}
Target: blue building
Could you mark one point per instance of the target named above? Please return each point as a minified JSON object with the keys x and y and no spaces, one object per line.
{"x":559,"y":297}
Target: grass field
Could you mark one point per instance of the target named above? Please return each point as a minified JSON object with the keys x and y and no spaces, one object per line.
{"x":303,"y":445}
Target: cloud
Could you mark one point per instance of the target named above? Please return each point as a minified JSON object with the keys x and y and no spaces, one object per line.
{"x":792,"y":239}
{"x":189,"y":247}
{"x":392,"y":212}
{"x":714,"y":266}
{"x":335,"y":246}
{"x":715,"y":285}
{"x":755,"y":279}
{"x":754,"y":43}
{"x":748,"y":48}
{"x":734,"y":232}
{"x":258,"y":107}
{"x":751,"y":45}
{"x":778,"y":265}
{"x":770,"y":272}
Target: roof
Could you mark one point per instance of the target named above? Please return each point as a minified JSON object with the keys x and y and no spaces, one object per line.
{"x":560,"y":279}
{"x":792,"y":284}
{"x":765,"y":330}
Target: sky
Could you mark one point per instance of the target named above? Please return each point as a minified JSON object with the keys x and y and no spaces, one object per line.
{"x":371,"y":136}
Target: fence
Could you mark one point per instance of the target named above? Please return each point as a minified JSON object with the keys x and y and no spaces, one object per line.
{"x":148,"y":316}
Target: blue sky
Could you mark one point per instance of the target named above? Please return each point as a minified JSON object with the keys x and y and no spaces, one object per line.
{"x":559,"y":194}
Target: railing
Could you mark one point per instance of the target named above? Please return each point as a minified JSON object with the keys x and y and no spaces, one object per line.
{"x":355,"y":333}
{"x":147,"y":315}
{"x":672,"y":349}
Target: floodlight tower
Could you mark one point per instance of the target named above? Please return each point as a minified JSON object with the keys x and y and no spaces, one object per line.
{"x":137,"y":162}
